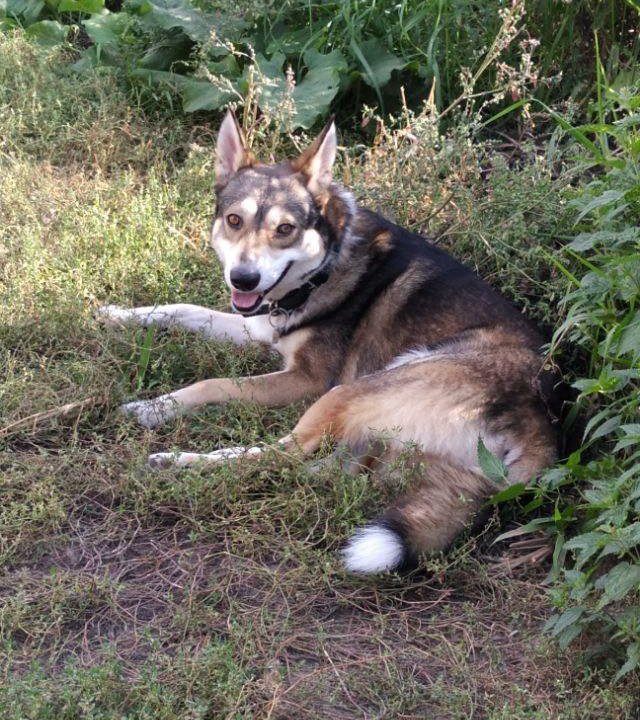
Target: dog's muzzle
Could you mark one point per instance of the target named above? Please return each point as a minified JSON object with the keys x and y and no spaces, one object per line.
{"x":247,"y":303}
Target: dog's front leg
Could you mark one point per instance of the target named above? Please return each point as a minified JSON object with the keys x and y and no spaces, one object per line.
{"x":211,"y":323}
{"x":274,"y":389}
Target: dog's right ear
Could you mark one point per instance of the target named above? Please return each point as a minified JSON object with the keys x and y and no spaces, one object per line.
{"x":231,"y":150}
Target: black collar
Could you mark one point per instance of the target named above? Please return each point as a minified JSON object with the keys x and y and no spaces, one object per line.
{"x":299,"y":296}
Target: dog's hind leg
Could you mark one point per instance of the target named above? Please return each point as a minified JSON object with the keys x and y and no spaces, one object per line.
{"x":210,"y":323}
{"x":440,"y":407}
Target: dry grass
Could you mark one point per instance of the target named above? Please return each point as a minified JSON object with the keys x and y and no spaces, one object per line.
{"x":125,"y":593}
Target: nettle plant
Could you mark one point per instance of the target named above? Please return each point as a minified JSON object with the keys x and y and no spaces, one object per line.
{"x":596,"y":573}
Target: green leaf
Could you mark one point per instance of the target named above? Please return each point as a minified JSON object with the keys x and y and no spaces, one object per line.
{"x":587,"y":545}
{"x":623,"y":540}
{"x":608,"y":426}
{"x":378,"y":63}
{"x":94,"y":56}
{"x":203,"y":95}
{"x":162,"y":54}
{"x":27,"y":10}
{"x":196,"y":94}
{"x":81,"y":6}
{"x":630,"y":338}
{"x":509,"y":493}
{"x":47,"y":32}
{"x":608,"y":197}
{"x":618,"y":582}
{"x":633,"y":660}
{"x":567,"y":618}
{"x":145,"y":356}
{"x":320,"y":85}
{"x":107,"y":28}
{"x":296,"y":42}
{"x":490,"y":465}
{"x":195,"y":23}
{"x":568,"y":635}
{"x":532,"y":526}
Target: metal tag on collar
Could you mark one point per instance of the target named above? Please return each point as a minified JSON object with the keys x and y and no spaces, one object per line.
{"x":277,"y":316}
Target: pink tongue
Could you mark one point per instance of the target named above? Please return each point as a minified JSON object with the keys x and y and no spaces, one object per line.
{"x":244,"y":299}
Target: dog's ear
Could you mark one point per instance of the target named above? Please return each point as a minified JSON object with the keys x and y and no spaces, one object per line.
{"x":316,"y":162}
{"x":231,"y":150}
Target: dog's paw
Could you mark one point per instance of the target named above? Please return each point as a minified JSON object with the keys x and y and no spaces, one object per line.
{"x":160,"y":460}
{"x":151,"y":413}
{"x":112,"y":315}
{"x":187,"y":459}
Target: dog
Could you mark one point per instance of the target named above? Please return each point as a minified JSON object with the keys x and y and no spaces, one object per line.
{"x":389,"y":334}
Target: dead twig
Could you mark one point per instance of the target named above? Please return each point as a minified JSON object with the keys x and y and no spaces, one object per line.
{"x":37,"y":419}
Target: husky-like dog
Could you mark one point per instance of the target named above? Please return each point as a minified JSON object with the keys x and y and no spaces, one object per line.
{"x":392,"y":335}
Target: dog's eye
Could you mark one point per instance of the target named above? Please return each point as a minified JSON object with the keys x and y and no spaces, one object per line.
{"x":285,"y":229}
{"x":234,"y":221}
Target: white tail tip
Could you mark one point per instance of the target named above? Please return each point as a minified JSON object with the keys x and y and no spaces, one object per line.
{"x":373,"y":549}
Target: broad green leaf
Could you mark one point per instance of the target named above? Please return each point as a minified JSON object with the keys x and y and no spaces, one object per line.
{"x":47,"y":32}
{"x":195,"y":23}
{"x":633,"y":660}
{"x":82,"y":6}
{"x":378,"y":63}
{"x":162,"y":54}
{"x":586,"y":545}
{"x":568,"y":635}
{"x":296,"y":42}
{"x":270,"y":73}
{"x":567,"y":618}
{"x":203,"y":95}
{"x":630,"y":338}
{"x":623,"y":540}
{"x":196,"y":94}
{"x":490,"y":465}
{"x":27,"y":10}
{"x":608,"y":197}
{"x":618,"y":582}
{"x":96,"y":55}
{"x":319,"y":86}
{"x":587,"y":241}
{"x":107,"y":28}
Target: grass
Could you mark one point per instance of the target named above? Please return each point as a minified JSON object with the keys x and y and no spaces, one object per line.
{"x":125,"y":593}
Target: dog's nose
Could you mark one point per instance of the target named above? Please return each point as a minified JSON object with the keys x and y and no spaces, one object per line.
{"x":244,"y":278}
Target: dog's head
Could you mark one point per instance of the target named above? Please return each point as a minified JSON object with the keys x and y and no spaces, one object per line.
{"x":271,"y":230}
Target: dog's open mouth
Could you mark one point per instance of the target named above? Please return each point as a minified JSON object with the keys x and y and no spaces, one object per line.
{"x":246,"y":302}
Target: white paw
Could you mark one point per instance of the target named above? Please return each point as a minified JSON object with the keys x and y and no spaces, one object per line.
{"x":163,"y":460}
{"x":113,"y":314}
{"x":151,"y":413}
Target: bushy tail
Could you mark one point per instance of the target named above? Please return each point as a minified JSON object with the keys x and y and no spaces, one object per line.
{"x":426,"y":519}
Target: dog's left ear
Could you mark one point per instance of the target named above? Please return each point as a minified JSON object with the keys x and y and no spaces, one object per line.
{"x":316,"y":162}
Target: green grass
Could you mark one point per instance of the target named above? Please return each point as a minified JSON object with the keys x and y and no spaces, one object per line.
{"x":126,"y":593}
